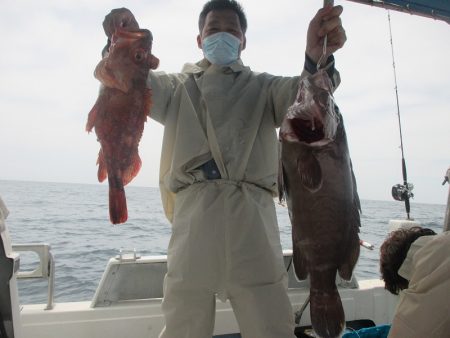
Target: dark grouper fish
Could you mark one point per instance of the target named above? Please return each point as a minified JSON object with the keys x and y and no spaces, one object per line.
{"x":317,"y":180}
{"x":120,"y":112}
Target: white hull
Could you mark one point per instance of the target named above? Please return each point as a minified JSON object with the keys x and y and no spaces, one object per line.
{"x":143,"y":318}
{"x":119,"y":310}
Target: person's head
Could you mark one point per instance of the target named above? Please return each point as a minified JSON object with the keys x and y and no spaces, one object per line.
{"x":222,"y":25}
{"x":393,"y":252}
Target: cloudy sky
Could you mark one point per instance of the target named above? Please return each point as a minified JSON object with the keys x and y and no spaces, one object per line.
{"x":51,"y":47}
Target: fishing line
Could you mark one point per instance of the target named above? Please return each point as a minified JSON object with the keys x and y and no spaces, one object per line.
{"x":400,"y":192}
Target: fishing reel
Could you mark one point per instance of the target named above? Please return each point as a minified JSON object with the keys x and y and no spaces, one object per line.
{"x":402,"y":192}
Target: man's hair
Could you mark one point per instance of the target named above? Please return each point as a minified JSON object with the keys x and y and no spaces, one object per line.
{"x":393,"y":252}
{"x":221,"y":5}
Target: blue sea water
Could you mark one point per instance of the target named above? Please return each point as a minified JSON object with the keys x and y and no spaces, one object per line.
{"x":73,"y":219}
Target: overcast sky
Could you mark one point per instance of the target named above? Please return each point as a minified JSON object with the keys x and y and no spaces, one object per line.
{"x":51,"y":47}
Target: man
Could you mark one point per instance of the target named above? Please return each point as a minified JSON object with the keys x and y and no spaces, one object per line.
{"x":416,"y":262}
{"x":218,"y":177}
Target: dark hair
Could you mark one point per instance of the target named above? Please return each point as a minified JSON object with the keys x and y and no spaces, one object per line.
{"x":393,"y":252}
{"x":221,"y":5}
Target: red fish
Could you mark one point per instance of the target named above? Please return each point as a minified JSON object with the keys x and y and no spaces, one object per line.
{"x":120,"y":112}
{"x":317,"y":180}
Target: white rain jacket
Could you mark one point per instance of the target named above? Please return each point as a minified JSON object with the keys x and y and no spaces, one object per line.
{"x":226,"y":113}
{"x":424,"y":307}
{"x":225,"y":237}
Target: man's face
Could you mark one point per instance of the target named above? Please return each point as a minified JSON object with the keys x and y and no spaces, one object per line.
{"x":222,"y":21}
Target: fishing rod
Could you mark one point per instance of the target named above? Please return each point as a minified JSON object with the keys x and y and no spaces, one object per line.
{"x":400,"y":192}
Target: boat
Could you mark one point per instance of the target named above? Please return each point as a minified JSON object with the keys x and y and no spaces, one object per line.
{"x":127,"y":302}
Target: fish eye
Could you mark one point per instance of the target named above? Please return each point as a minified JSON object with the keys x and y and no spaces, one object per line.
{"x":139,"y":55}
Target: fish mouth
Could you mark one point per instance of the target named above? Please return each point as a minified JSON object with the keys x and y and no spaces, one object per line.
{"x":311,"y":132}
{"x":307,"y":131}
{"x":312,"y":118}
{"x":132,"y":34}
{"x":153,"y":61}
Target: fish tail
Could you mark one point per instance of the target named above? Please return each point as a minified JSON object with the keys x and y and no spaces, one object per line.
{"x":327,"y":314}
{"x":118,"y":212}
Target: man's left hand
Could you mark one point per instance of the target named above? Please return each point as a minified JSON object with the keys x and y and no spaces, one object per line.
{"x":326,"y":22}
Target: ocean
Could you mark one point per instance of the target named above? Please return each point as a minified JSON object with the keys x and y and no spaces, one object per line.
{"x":73,"y":219}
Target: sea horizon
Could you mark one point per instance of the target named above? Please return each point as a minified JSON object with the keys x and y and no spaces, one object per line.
{"x":133,"y":185}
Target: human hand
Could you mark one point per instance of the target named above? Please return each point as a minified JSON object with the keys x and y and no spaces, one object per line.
{"x":326,"y":22}
{"x":118,"y":18}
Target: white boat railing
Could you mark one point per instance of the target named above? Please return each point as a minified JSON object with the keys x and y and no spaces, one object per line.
{"x":45,"y":269}
{"x":129,"y":276}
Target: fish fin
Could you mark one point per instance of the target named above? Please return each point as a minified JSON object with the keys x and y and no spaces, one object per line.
{"x":327,"y":314}
{"x":111,"y":78}
{"x":310,"y":172}
{"x":341,"y":128}
{"x":132,"y":170}
{"x":281,"y":179}
{"x":300,"y":266}
{"x":102,"y":173}
{"x":351,"y":257}
{"x":117,"y":205}
{"x":147,"y":101}
{"x":92,"y":116}
{"x":353,"y":248}
{"x":356,"y":201}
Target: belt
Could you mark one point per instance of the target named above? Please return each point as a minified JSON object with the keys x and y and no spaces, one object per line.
{"x":210,"y":170}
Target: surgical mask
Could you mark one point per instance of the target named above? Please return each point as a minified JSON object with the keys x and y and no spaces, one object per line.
{"x":221,"y":48}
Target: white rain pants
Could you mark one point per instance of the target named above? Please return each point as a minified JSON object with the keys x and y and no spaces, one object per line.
{"x":225,"y":242}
